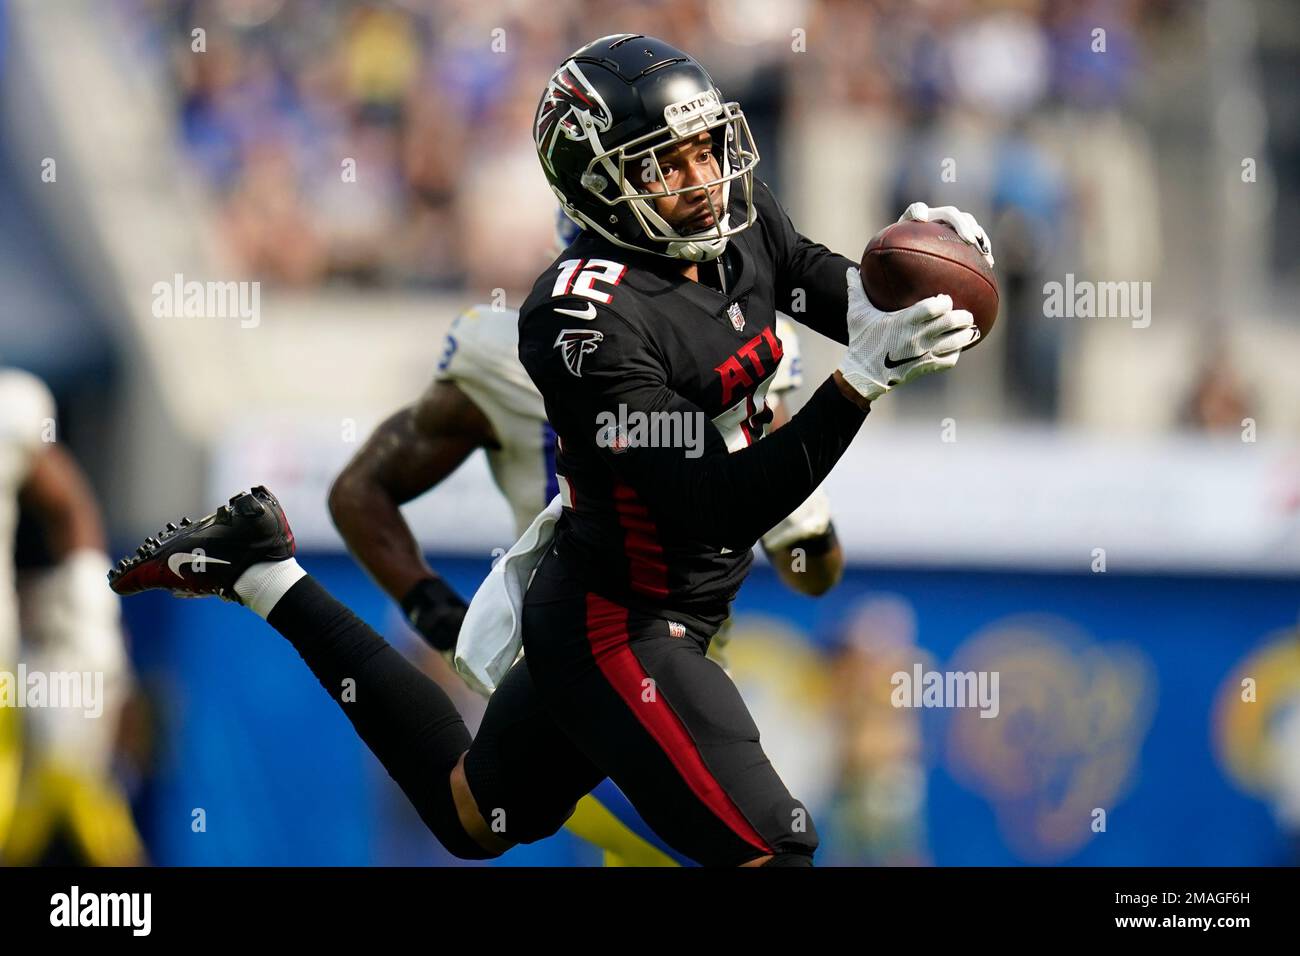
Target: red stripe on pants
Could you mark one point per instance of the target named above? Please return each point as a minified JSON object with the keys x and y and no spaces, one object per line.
{"x":608,"y":636}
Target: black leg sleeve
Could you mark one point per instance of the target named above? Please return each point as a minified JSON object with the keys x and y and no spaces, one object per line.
{"x":405,"y":718}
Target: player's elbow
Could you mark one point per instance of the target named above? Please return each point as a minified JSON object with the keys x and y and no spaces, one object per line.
{"x":345,"y":497}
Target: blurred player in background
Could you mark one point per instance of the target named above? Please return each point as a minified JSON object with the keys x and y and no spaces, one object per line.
{"x":483,"y":398}
{"x":56,"y":761}
{"x":878,"y":812}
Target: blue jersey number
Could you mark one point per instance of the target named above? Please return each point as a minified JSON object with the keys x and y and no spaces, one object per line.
{"x":448,"y":351}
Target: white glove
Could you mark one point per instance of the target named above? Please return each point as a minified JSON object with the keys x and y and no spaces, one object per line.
{"x":892,"y":348}
{"x":963,"y":222}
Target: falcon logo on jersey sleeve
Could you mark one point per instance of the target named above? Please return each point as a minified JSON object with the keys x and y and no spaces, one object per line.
{"x":569,"y":101}
{"x":574,"y":344}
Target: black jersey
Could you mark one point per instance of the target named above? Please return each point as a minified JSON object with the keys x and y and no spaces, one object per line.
{"x":656,"y":386}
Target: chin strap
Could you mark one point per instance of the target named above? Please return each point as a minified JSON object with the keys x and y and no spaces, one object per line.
{"x":692,"y":251}
{"x":701,"y":251}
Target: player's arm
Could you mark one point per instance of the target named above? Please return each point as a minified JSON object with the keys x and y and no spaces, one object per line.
{"x":803,"y":548}
{"x":595,"y":374}
{"x":75,"y":626}
{"x":58,"y":495}
{"x":81,"y":616}
{"x":409,"y":453}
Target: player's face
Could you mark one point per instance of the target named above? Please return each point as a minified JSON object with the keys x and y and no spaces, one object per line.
{"x":689,"y":162}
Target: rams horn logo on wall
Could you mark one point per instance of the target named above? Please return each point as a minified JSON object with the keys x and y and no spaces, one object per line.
{"x":569,"y":104}
{"x":574,"y":344}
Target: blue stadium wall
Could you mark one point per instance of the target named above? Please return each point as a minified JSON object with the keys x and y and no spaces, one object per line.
{"x":251,"y":739}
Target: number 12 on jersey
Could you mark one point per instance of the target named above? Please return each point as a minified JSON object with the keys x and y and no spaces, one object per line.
{"x":577,"y":277}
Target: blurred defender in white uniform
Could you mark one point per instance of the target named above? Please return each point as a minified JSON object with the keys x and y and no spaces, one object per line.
{"x":55,"y":761}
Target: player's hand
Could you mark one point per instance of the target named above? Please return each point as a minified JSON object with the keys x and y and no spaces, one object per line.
{"x":435,"y":611}
{"x":887,"y":349}
{"x":965,"y":224}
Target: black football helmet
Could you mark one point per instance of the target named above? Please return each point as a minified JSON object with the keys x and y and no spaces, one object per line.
{"x":607,"y":113}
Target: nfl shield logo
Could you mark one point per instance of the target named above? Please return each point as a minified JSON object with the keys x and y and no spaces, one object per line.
{"x":676,"y":630}
{"x":737,"y":318}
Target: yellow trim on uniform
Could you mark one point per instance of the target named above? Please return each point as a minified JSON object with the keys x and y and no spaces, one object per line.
{"x":622,"y":847}
{"x":11,"y":764}
{"x":93,"y":810}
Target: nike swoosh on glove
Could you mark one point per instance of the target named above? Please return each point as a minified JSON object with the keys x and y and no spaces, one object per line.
{"x":888,"y":349}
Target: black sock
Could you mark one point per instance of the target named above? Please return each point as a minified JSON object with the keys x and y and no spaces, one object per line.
{"x":404,"y":717}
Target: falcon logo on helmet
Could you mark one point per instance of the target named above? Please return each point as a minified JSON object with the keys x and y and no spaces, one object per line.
{"x":570,"y":106}
{"x":574,"y":344}
{"x":622,"y":103}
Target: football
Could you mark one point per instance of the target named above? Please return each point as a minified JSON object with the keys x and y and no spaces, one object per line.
{"x":910,"y":261}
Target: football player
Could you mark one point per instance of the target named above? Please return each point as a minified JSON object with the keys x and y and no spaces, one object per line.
{"x":71,"y":626}
{"x":483,"y":398}
{"x":664,"y":309}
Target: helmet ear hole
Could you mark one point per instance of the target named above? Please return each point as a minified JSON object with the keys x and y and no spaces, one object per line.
{"x":721,"y":136}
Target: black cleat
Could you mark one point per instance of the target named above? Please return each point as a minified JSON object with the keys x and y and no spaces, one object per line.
{"x":206,"y":557}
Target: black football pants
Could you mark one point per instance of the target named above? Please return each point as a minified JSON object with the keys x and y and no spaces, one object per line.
{"x":603,"y":690}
